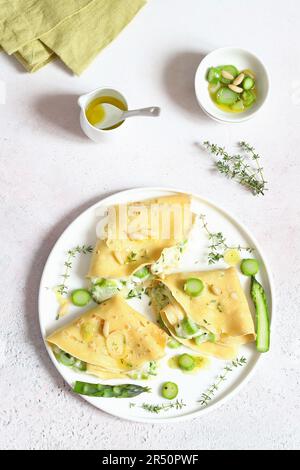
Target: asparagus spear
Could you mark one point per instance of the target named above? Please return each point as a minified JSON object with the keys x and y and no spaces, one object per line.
{"x":262,"y":316}
{"x":109,"y":391}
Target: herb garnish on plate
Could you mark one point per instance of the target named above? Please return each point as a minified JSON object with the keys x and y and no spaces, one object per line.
{"x":84,"y":249}
{"x":157,"y":408}
{"x":207,"y":396}
{"x":218,"y":244}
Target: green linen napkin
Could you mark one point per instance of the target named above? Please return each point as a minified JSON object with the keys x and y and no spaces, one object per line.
{"x":78,"y":40}
{"x":22,"y":21}
{"x":34,"y":56}
{"x":88,"y":26}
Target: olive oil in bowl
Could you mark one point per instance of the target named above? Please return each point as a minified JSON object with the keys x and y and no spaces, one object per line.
{"x":95,"y":112}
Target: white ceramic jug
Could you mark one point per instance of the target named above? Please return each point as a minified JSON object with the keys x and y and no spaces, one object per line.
{"x":97,"y":135}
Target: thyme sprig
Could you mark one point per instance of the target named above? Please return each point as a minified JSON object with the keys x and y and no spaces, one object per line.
{"x":207,"y":396}
{"x":240,"y":167}
{"x":71,"y":254}
{"x":131,"y":257}
{"x":218,"y":244}
{"x":157,"y":408}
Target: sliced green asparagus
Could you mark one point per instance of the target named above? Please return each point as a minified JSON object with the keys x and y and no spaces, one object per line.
{"x":232,"y":90}
{"x":193,"y":287}
{"x":109,"y":391}
{"x":169,"y":390}
{"x":142,"y":273}
{"x":204,"y":337}
{"x":68,"y":360}
{"x":104,"y":289}
{"x":186,"y":362}
{"x":213,"y":75}
{"x":249,"y":267}
{"x":262,"y":316}
{"x":186,"y":328}
{"x":248,"y":83}
{"x":81,"y":297}
{"x":231,"y":69}
{"x":173,"y":343}
{"x":226,"y":96}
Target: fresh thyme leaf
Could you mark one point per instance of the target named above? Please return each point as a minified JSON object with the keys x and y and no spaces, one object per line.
{"x":71,"y":254}
{"x":157,"y":408}
{"x":239,"y":362}
{"x":182,"y":246}
{"x":218,"y":244}
{"x":131,"y":257}
{"x":219,"y":307}
{"x":136,"y":293}
{"x":208,"y":395}
{"x":243,"y":167}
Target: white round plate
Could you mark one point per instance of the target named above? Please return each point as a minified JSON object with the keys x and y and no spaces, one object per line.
{"x":82,"y":231}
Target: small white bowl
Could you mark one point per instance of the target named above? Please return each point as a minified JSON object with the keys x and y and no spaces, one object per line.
{"x":95,"y":134}
{"x":242,"y":59}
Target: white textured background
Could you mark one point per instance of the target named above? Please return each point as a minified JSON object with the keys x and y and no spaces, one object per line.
{"x":49,"y":173}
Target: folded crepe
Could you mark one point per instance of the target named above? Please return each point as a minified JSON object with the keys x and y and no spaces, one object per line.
{"x":112,"y":339}
{"x":221,"y":309}
{"x":140,"y":234}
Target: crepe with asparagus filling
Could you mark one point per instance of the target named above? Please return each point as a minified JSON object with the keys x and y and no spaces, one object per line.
{"x":206,"y":311}
{"x":141,"y":239}
{"x":110,"y":341}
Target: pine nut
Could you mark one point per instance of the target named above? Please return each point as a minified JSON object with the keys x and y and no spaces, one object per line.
{"x":172,"y":315}
{"x":105,"y":330}
{"x":239,"y":79}
{"x":172,"y":318}
{"x":235,"y":88}
{"x":180,"y":315}
{"x":215,"y":290}
{"x":227,"y":75}
{"x":234,"y":295}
